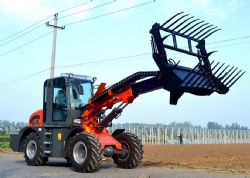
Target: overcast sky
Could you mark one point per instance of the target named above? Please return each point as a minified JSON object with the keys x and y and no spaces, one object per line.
{"x":102,"y":47}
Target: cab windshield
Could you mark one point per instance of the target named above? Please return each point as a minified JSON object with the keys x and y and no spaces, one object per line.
{"x":79,"y":92}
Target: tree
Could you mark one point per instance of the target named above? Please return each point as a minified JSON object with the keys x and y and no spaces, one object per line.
{"x":2,"y":131}
{"x":243,"y":128}
{"x":213,"y":125}
{"x":233,"y":126}
{"x":8,"y":127}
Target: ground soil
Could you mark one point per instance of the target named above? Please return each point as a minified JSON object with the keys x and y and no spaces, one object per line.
{"x":220,"y":158}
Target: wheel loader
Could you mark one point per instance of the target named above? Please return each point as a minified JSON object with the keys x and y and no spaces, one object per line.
{"x":73,"y":123}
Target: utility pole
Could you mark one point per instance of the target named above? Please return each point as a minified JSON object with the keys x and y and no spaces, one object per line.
{"x":54,"y":44}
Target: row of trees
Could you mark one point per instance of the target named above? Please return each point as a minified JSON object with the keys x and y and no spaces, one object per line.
{"x":186,"y":124}
{"x":7,"y":127}
{"x":233,"y":126}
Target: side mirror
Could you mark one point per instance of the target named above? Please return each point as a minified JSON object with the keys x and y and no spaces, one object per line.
{"x":80,"y":90}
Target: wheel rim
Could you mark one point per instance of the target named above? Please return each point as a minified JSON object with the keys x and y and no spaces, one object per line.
{"x":124,"y":153}
{"x":80,"y":152}
{"x":31,"y":149}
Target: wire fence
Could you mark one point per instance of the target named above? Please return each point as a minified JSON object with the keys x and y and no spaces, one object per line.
{"x":169,"y":135}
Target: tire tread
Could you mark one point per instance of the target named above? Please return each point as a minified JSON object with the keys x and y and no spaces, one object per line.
{"x":137,"y":149}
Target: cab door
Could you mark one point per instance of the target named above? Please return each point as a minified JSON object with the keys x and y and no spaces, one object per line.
{"x":55,"y":101}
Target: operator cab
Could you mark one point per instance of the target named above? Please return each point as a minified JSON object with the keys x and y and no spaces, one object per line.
{"x":65,"y":98}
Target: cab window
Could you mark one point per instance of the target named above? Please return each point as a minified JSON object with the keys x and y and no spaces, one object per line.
{"x":59,"y":100}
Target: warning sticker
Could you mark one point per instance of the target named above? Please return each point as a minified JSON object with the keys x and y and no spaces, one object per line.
{"x":59,"y":136}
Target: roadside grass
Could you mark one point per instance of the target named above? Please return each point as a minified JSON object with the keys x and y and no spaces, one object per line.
{"x":173,"y":163}
{"x":4,"y":141}
{"x":4,"y":145}
{"x":150,"y":163}
{"x":4,"y":138}
{"x":155,"y":163}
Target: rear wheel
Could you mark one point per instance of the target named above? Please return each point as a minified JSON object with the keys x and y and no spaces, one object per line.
{"x":131,"y":154}
{"x":85,"y":152}
{"x":33,"y":151}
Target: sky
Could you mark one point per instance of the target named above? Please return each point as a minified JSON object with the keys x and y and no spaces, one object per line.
{"x":110,"y":43}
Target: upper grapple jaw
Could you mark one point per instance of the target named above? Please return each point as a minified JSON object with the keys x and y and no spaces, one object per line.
{"x":206,"y":77}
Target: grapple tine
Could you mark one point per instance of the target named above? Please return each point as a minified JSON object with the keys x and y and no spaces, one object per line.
{"x":182,"y":23}
{"x":207,"y":73}
{"x":215,"y":66}
{"x":210,"y":33}
{"x":219,"y":69}
{"x":236,"y":79}
{"x":208,"y":80}
{"x":190,"y":73}
{"x":192,"y":78}
{"x":171,"y":19}
{"x":233,"y":77}
{"x":215,"y":78}
{"x":222,"y":72}
{"x":197,"y":29}
{"x":226,"y":73}
{"x":220,"y":75}
{"x":206,"y":32}
{"x":205,"y":70}
{"x":224,"y":81}
{"x":187,"y":25}
{"x":177,"y":20}
{"x":201,"y":30}
{"x":193,"y":26}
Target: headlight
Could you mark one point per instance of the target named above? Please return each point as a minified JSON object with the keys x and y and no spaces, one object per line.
{"x":77,"y":121}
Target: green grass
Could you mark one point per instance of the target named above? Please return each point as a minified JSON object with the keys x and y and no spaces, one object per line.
{"x":150,"y":163}
{"x":5,"y":138}
{"x":172,"y":163}
{"x":4,"y":144}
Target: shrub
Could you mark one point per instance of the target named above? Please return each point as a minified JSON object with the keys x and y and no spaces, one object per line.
{"x":4,"y":144}
{"x":5,"y":138}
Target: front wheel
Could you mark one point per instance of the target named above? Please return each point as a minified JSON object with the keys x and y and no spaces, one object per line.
{"x":33,"y":151}
{"x":85,"y":152}
{"x":131,"y":154}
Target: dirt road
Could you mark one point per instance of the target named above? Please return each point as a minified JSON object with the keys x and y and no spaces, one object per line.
{"x":227,"y":160}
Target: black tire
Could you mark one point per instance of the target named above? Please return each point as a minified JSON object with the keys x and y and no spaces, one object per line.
{"x":33,"y":151}
{"x":85,"y":152}
{"x":68,"y":143}
{"x":131,"y":154}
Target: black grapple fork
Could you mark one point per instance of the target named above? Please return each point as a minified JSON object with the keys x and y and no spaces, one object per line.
{"x":206,"y":77}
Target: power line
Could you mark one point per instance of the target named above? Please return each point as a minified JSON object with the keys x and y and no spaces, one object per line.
{"x":87,"y":9}
{"x":25,"y":29}
{"x":232,"y":39}
{"x":2,"y":40}
{"x":22,"y":34}
{"x":83,"y":21}
{"x":75,"y":22}
{"x":230,"y":45}
{"x":107,"y":60}
{"x":74,"y":65}
{"x":75,"y":6}
{"x":25,"y":77}
{"x":222,"y":41}
{"x":26,"y":43}
{"x":109,"y":13}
